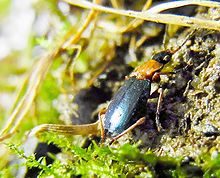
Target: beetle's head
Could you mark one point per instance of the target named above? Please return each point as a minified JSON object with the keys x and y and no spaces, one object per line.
{"x":163,"y":57}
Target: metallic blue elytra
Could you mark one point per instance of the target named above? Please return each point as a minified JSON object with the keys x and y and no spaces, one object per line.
{"x":127,"y":106}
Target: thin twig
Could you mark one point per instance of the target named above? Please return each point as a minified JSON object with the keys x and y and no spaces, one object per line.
{"x":157,"y":17}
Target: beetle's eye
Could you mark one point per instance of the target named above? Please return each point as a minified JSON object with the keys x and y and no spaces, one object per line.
{"x":166,"y":58}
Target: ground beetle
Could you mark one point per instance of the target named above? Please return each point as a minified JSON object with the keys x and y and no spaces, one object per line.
{"x":129,"y":103}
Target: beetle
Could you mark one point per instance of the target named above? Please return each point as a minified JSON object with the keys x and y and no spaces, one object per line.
{"x":128,"y":106}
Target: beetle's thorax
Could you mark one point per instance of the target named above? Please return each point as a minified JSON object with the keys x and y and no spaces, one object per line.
{"x":146,"y":70}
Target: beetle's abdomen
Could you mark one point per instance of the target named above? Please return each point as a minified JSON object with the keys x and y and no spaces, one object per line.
{"x":127,"y":106}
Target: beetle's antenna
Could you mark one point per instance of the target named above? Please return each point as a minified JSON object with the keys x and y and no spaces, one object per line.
{"x":187,"y":38}
{"x":165,"y":37}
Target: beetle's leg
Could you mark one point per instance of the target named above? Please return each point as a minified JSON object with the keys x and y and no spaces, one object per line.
{"x":139,"y":122}
{"x":101,"y":113}
{"x":156,"y":77}
{"x":160,"y":99}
